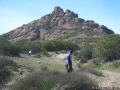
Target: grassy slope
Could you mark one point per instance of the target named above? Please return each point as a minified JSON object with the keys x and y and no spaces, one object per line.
{"x":33,"y":63}
{"x":52,"y":63}
{"x":108,"y":66}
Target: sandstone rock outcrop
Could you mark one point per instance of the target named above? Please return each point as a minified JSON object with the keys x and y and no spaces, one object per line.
{"x":55,"y":24}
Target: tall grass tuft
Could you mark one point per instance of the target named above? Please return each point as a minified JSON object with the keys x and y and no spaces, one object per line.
{"x":53,"y":80}
{"x":7,"y":65}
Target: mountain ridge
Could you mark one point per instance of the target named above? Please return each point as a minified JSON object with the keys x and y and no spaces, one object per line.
{"x":56,"y":24}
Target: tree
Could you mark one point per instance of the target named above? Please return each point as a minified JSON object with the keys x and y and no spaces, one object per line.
{"x":85,"y":53}
{"x":57,"y":45}
{"x":8,"y":48}
{"x":108,"y":47}
{"x":25,"y":46}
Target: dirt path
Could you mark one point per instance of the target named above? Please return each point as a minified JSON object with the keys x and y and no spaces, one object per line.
{"x":112,"y":79}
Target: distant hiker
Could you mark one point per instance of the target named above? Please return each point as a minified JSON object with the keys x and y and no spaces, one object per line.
{"x":68,"y":65}
{"x":30,"y":52}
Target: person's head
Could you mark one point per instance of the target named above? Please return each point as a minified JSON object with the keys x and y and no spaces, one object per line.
{"x":71,"y":52}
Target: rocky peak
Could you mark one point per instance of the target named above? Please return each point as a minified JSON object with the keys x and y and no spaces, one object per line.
{"x":104,"y":29}
{"x":58,"y":11}
{"x":55,"y":24}
{"x":69,"y":13}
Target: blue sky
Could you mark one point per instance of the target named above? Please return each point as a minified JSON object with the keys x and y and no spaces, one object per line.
{"x":14,"y":13}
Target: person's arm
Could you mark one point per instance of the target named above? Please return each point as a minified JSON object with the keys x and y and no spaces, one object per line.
{"x":66,"y":59}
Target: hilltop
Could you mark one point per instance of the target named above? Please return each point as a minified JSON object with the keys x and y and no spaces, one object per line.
{"x":57,"y":24}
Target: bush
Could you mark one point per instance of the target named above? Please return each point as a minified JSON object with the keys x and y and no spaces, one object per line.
{"x":52,"y":80}
{"x":58,"y":45}
{"x":95,"y":61}
{"x":44,"y":68}
{"x":108,"y":48}
{"x":84,"y":54}
{"x":25,"y":46}
{"x":116,"y":64}
{"x":6,"y":67}
{"x":42,"y":47}
{"x":8,"y":48}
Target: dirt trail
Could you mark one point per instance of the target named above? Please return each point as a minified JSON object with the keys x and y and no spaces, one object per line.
{"x":112,"y":79}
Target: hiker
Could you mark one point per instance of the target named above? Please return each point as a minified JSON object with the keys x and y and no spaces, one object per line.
{"x":29,"y":53}
{"x":68,"y":65}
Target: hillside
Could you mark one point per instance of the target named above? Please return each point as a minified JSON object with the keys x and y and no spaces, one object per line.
{"x":57,"y":24}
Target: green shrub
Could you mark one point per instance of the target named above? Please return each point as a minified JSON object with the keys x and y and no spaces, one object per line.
{"x":52,"y":80}
{"x":84,"y":54}
{"x":108,"y":48}
{"x":6,"y":67}
{"x":95,"y":61}
{"x":57,"y":45}
{"x":69,"y":34}
{"x":8,"y":48}
{"x":78,"y":64}
{"x":25,"y":46}
{"x":116,"y":64}
{"x":44,"y":68}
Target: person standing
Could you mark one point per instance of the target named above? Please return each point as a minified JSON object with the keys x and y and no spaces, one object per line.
{"x":68,"y":64}
{"x":30,"y":52}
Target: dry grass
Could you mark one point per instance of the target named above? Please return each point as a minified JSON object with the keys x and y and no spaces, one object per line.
{"x":116,"y":64}
{"x":53,"y":80}
{"x":7,"y":65}
{"x":92,"y":71}
{"x":89,"y":69}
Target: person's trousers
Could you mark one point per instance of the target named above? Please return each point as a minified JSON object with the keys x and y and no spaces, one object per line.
{"x":68,"y":67}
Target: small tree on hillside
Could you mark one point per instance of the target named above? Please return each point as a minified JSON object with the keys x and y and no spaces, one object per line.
{"x":108,"y":47}
{"x":8,"y":48}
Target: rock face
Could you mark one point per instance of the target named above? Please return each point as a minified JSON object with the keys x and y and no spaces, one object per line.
{"x":55,"y":24}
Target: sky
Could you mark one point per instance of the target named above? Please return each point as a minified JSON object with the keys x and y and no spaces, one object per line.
{"x":15,"y":13}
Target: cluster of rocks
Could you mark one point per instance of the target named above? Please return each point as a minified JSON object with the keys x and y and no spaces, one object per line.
{"x":54,"y":24}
